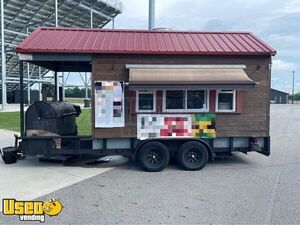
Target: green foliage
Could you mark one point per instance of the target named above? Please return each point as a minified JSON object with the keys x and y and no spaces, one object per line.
{"x":296,"y":96}
{"x":75,"y":92}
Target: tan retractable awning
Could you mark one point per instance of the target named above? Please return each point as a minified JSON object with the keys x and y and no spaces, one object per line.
{"x":196,"y":77}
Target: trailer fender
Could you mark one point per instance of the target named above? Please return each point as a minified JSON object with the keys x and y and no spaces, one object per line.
{"x":211,"y":154}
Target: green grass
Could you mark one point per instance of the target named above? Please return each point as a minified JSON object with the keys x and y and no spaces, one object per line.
{"x":70,"y":100}
{"x":84,"y":122}
{"x":75,"y":100}
{"x":11,"y":121}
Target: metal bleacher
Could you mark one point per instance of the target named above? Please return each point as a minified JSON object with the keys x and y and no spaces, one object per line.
{"x":23,"y":17}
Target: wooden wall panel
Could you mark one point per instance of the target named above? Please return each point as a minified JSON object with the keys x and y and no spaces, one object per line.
{"x":212,"y":100}
{"x":239,"y":101}
{"x":252,"y":121}
{"x":159,"y":101}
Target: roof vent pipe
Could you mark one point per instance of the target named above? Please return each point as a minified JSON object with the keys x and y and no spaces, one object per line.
{"x":151,"y":23}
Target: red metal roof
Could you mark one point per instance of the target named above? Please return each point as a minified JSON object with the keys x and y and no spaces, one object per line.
{"x":107,"y":41}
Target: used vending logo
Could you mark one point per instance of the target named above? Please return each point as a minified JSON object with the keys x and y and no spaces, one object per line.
{"x":31,"y":210}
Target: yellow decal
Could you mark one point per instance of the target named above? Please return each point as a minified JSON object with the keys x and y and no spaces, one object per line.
{"x":52,"y":207}
{"x":31,"y":210}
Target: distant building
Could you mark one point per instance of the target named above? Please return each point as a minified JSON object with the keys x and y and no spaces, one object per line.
{"x":279,"y":97}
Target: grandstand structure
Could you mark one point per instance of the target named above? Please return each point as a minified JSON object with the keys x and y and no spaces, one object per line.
{"x":20,"y":18}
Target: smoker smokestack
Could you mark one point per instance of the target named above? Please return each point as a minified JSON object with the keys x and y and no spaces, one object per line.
{"x":151,"y":24}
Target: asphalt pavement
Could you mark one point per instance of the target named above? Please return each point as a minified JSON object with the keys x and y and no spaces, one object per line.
{"x":242,"y":189}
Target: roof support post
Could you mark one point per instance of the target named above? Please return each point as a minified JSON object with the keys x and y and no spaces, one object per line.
{"x":28,"y":84}
{"x":40,"y":84}
{"x":63,"y":86}
{"x":22,"y":128}
{"x":3,"y":59}
{"x":56,"y":91}
{"x":86,"y":87}
{"x":28,"y":77}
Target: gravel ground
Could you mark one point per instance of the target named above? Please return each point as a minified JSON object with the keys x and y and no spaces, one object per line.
{"x":243,"y":189}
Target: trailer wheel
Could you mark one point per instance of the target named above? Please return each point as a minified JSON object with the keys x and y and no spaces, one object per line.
{"x":192,"y":155}
{"x":153,"y":156}
{"x":9,"y":155}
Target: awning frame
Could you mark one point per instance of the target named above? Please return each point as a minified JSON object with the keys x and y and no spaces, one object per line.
{"x":236,"y":78}
{"x":185,"y":66}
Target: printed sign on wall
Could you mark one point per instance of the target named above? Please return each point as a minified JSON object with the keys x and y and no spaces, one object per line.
{"x":174,"y":125}
{"x":109,"y":104}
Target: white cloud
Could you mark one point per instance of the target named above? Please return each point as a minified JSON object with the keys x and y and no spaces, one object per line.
{"x":279,"y":64}
{"x":274,"y":21}
{"x":292,"y":6}
{"x":285,"y":41}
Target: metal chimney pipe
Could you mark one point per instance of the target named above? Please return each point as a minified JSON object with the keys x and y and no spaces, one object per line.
{"x":151,"y":24}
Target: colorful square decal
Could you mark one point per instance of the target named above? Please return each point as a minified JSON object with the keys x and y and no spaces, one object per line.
{"x":109,"y":104}
{"x":174,"y":125}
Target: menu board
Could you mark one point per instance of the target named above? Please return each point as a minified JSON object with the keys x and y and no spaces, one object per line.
{"x":109,"y":104}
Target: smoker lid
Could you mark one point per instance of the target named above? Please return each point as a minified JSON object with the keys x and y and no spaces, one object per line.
{"x":50,"y":109}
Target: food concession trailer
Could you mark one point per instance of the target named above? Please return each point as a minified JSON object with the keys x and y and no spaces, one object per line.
{"x":155,"y":95}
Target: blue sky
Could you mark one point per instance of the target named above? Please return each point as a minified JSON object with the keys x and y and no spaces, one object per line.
{"x":277,"y":22}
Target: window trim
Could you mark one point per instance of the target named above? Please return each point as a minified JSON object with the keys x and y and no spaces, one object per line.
{"x":185,"y":103}
{"x":137,"y":101}
{"x":217,"y":100}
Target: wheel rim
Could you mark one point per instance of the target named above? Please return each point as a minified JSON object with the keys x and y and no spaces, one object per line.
{"x":153,"y":158}
{"x":193,"y":157}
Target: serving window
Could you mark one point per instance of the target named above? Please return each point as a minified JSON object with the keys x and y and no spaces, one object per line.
{"x":226,"y":101}
{"x":185,"y":101}
{"x":146,"y":101}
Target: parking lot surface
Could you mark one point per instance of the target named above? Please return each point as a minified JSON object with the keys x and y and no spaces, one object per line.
{"x":242,"y":189}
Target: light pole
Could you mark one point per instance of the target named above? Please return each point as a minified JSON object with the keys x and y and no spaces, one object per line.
{"x":151,"y":22}
{"x":293,"y":87}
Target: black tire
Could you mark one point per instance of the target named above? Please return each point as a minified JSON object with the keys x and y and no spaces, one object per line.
{"x":153,"y":156}
{"x":9,"y":155}
{"x":192,"y":155}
